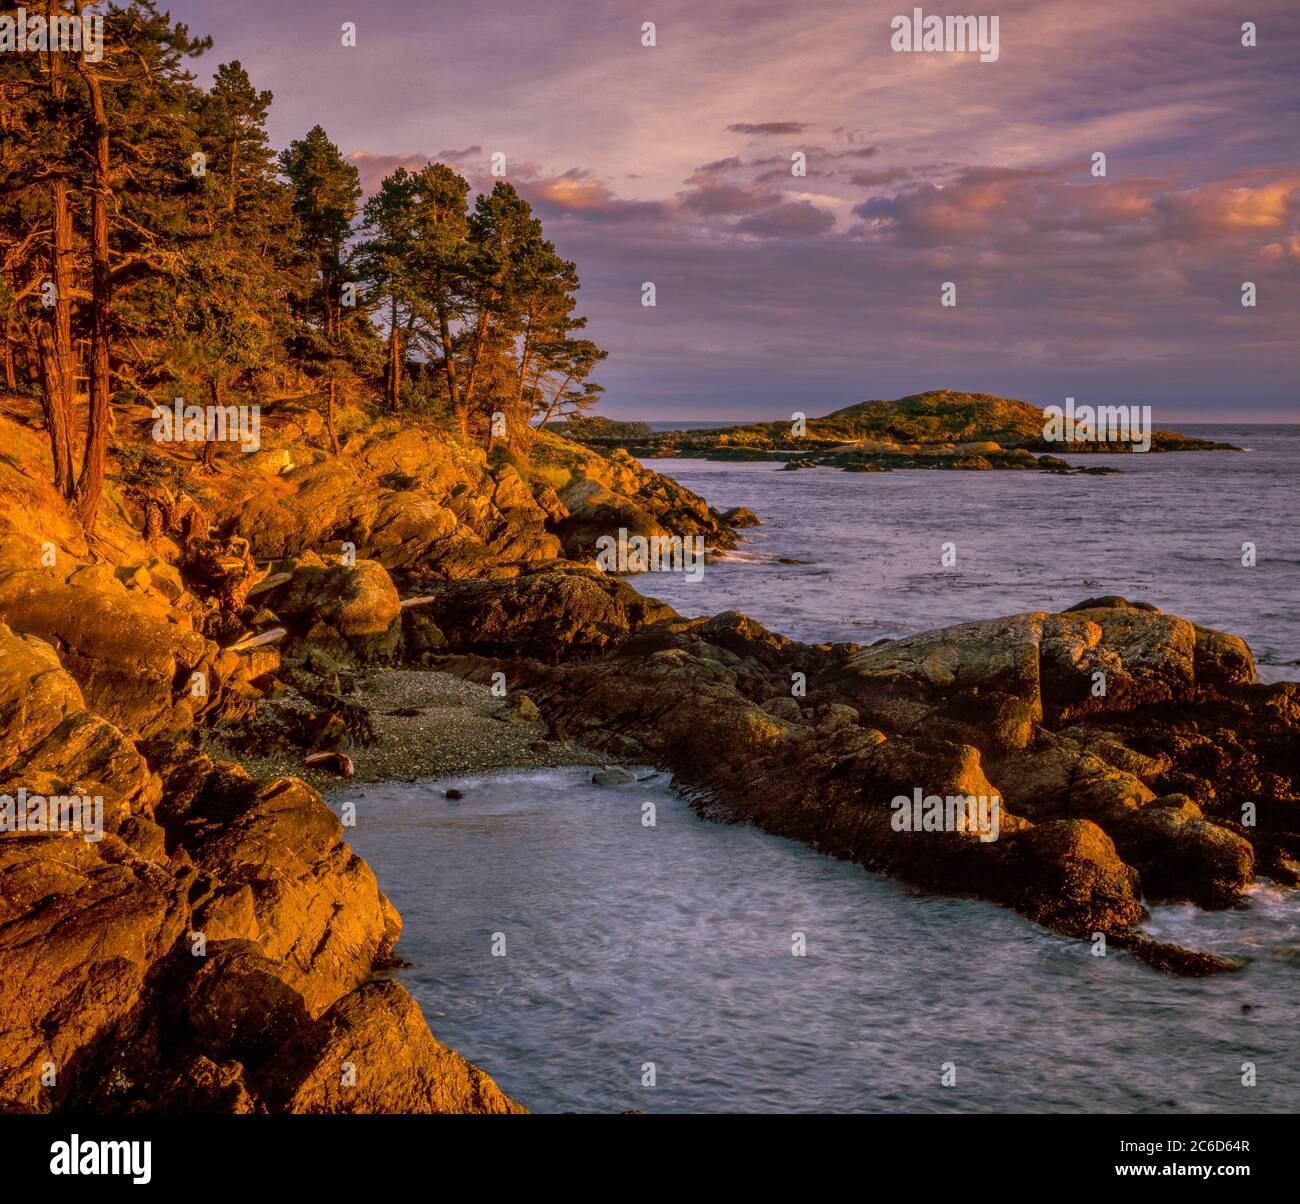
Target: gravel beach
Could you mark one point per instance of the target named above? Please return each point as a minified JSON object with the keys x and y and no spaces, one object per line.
{"x":430,"y":724}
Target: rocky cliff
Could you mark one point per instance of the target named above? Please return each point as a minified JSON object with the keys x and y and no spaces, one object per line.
{"x":216,"y":948}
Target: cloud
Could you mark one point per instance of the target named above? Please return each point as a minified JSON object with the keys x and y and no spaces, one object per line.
{"x":769,"y":127}
{"x":373,"y":169}
{"x":728,"y":198}
{"x":793,"y":219}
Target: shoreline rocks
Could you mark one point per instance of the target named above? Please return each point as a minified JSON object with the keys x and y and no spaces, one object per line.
{"x":220,"y":948}
{"x":1140,"y":794}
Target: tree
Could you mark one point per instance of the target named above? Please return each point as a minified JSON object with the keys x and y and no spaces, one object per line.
{"x":384,"y":261}
{"x":326,"y":190}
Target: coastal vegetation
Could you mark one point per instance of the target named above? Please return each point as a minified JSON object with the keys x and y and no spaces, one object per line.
{"x":153,"y":245}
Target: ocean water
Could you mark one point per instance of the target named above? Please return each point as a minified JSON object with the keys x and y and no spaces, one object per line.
{"x":672,"y":945}
{"x":1168,"y":529}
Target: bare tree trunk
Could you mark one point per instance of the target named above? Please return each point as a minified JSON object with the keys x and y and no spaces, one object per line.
{"x":329,"y":421}
{"x":458,"y":407}
{"x":90,"y":485}
{"x":210,"y":445}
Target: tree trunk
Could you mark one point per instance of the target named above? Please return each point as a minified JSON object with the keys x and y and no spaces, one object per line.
{"x":90,"y":485}
{"x":210,"y":445}
{"x":329,"y":421}
{"x":394,"y":361}
{"x":480,"y":341}
{"x":55,"y":353}
{"x":56,"y":405}
{"x":458,"y":407}
{"x":11,"y":377}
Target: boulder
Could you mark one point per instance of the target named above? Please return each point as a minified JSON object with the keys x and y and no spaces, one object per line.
{"x":373,"y":1052}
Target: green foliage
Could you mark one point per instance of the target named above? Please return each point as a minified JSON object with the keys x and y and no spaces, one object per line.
{"x":140,"y":466}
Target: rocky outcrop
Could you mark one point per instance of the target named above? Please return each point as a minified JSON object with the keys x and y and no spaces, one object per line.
{"x":1113,"y":789}
{"x":547,"y":613}
{"x":373,"y":1052}
{"x":415,"y":503}
{"x":136,"y":667}
{"x":605,"y":494}
{"x":208,"y":927}
{"x":350,"y":611}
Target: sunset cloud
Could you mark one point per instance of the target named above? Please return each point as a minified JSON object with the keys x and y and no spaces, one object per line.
{"x":674,"y":164}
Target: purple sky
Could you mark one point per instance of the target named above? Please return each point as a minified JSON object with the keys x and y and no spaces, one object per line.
{"x":775,"y":293}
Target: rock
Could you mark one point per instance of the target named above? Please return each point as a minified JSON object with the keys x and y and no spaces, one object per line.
{"x":1182,"y":856}
{"x":1088,"y":785}
{"x":546,"y":613}
{"x":335,"y":762}
{"x":523,"y":709}
{"x":784,"y":707}
{"x":612,"y":777}
{"x":740,"y":516}
{"x":836,"y":715}
{"x":81,"y":936}
{"x":350,"y":612}
{"x":318,"y":908}
{"x":609,"y":493}
{"x":134,"y":668}
{"x":453,"y":793}
{"x":1066,"y":874}
{"x":50,"y":743}
{"x":373,"y":1052}
{"x":240,"y":1004}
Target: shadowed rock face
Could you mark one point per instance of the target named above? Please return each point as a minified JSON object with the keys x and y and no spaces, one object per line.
{"x":554,"y":612}
{"x":1106,"y":797}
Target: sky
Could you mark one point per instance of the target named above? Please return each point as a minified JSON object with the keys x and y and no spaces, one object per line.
{"x":777,"y":292}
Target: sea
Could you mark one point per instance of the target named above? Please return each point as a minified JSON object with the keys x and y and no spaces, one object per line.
{"x":593,"y":962}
